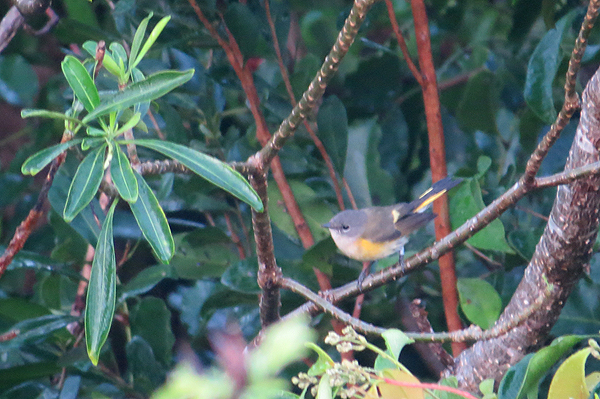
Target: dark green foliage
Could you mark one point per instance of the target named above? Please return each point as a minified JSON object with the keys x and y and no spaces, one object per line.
{"x":500,"y":69}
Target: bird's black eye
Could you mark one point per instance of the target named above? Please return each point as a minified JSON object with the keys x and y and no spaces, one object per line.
{"x":345,"y":227}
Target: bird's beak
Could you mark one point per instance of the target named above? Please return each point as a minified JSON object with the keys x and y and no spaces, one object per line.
{"x":326,"y":225}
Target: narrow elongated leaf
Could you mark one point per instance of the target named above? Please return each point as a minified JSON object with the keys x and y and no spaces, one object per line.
{"x":213,"y":170}
{"x":152,"y":38}
{"x":122,"y":175}
{"x":137,"y":40}
{"x":35,"y":329}
{"x":43,"y":113}
{"x":81,"y":82}
{"x":90,"y":142}
{"x":102,"y":288}
{"x":95,"y":132}
{"x":86,"y":182}
{"x":130,"y":124}
{"x":108,"y":61}
{"x":154,"y":86}
{"x":152,"y":221}
{"x":39,"y":160}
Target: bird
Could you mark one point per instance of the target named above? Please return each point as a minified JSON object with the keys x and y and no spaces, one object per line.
{"x":373,"y":233}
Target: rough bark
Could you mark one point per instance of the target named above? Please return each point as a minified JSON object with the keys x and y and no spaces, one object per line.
{"x":559,"y":260}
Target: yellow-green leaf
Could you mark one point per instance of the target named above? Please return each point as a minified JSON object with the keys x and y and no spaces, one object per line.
{"x":152,"y":221}
{"x":101,"y":295}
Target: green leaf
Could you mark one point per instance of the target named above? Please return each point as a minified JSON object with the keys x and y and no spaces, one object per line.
{"x":395,"y":341}
{"x":95,"y":132}
{"x":119,"y":54}
{"x":525,"y":241}
{"x":81,"y":82}
{"x":137,"y":40}
{"x":465,"y":202}
{"x":26,"y":376}
{"x":122,"y":175}
{"x":479,"y":103}
{"x":86,"y":222}
{"x":479,"y":301}
{"x":569,"y":380}
{"x":333,"y":131}
{"x":323,"y":363}
{"x":151,"y":319}
{"x":213,"y":170}
{"x":145,"y":280}
{"x":151,"y":39}
{"x":314,"y":209}
{"x":245,"y":28}
{"x":282,"y":344}
{"x":108,"y":61}
{"x":363,"y":169}
{"x":32,"y":330}
{"x":241,"y":277}
{"x":151,"y":88}
{"x":70,"y":388}
{"x":542,"y":68}
{"x":523,"y":379}
{"x":90,"y":142}
{"x":148,"y":374}
{"x":42,"y":113}
{"x":152,"y":221}
{"x":320,"y":255}
{"x":204,"y":253}
{"x":19,"y":81}
{"x":39,"y":160}
{"x":101,"y":295}
{"x":86,"y":182}
{"x":130,"y":124}
{"x":324,"y":389}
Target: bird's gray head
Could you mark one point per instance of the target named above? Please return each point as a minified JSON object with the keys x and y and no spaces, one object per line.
{"x":350,"y":224}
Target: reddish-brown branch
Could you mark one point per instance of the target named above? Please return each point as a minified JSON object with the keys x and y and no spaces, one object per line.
{"x":26,"y":227}
{"x":402,"y":43}
{"x":7,"y":336}
{"x":288,"y":86}
{"x":234,"y":237}
{"x":269,"y":274}
{"x":244,"y":74}
{"x":437,"y":157}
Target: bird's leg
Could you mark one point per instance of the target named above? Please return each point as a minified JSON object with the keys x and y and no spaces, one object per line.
{"x":401,"y":260}
{"x":366,"y":270}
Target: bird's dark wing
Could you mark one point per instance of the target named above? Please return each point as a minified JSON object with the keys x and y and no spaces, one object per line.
{"x":380,"y":224}
{"x":413,"y":221}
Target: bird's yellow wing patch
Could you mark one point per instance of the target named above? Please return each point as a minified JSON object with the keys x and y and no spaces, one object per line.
{"x":430,"y":200}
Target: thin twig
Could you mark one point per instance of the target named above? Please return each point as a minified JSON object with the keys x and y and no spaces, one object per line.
{"x":288,"y":86}
{"x":571,"y":103}
{"x":463,"y":233}
{"x":402,"y":43}
{"x":26,"y":227}
{"x":472,"y":333}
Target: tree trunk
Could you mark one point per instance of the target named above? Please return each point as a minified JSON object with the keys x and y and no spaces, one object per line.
{"x":559,"y":260}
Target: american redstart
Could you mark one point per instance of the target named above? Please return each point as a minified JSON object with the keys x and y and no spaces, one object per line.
{"x":373,"y":233}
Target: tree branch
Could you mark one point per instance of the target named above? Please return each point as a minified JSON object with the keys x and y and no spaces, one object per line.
{"x":571,"y":103}
{"x":437,"y":160}
{"x":559,"y":260}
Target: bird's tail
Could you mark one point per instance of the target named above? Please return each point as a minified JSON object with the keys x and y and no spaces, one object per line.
{"x":435,"y":192}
